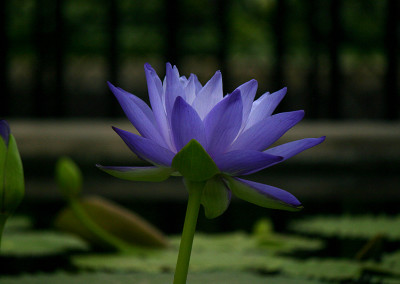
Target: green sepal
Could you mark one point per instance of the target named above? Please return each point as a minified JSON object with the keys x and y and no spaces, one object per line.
{"x":68,"y":177}
{"x":153,"y":174}
{"x":12,"y":185}
{"x":194,"y":163}
{"x":251,"y":195}
{"x":215,"y":198}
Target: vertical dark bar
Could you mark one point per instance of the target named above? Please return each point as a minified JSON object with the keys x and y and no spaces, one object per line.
{"x":59,"y":42}
{"x":223,"y":44}
{"x":392,"y":50}
{"x":279,"y":27}
{"x":39,"y":42}
{"x":312,"y":93}
{"x":171,"y":20}
{"x":5,"y":100}
{"x":335,"y":88}
{"x":112,"y":54}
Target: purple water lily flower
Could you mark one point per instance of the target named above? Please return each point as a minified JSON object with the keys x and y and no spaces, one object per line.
{"x":235,"y":131}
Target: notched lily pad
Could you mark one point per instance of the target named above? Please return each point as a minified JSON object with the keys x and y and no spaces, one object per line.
{"x":364,"y":227}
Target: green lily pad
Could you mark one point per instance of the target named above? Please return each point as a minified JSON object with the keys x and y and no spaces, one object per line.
{"x":42,"y":243}
{"x":364,"y":227}
{"x":17,"y":224}
{"x":266,"y":237}
{"x":226,"y":252}
{"x":151,"y":278}
{"x":324,"y":269}
{"x":391,"y":263}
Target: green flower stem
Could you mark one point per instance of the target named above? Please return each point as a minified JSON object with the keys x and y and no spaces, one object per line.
{"x":182,"y":266}
{"x":105,"y":236}
{"x":3,"y":218}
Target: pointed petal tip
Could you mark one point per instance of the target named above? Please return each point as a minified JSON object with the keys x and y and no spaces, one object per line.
{"x":117,"y":130}
{"x":179,"y":100}
{"x":235,"y":95}
{"x":110,"y":85}
{"x":253,"y":81}
{"x":4,"y":130}
{"x":299,"y":113}
{"x":263,"y":195}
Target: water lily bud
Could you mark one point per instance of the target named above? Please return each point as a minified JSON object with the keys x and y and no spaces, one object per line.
{"x":12,"y":187}
{"x":68,"y":177}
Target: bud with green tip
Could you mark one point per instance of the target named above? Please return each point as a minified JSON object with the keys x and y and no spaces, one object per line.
{"x":12,"y":187}
{"x":69,"y":177}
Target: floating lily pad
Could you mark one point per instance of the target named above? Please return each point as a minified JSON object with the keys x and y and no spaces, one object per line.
{"x":150,"y":278}
{"x":325,"y":269}
{"x":17,"y":223}
{"x":364,"y":227}
{"x":39,"y":243}
{"x":209,"y":253}
{"x":233,"y":252}
{"x":266,"y":237}
{"x":391,"y":263}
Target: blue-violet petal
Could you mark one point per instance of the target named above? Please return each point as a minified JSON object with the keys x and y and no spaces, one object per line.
{"x":186,"y":125}
{"x":209,"y":95}
{"x":261,"y":135}
{"x":265,"y":106}
{"x":223,"y":123}
{"x":4,"y":131}
{"x":263,"y":195}
{"x":139,"y":114}
{"x":290,"y":149}
{"x":146,"y":149}
{"x":244,"y":162}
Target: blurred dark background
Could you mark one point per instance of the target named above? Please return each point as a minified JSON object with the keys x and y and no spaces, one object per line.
{"x":339,"y":60}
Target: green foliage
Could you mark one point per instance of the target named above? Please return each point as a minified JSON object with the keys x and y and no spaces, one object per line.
{"x":69,"y":177}
{"x":327,"y":269}
{"x":364,"y":227}
{"x":12,"y":185}
{"x":152,"y":174}
{"x":39,"y":243}
{"x":225,"y":252}
{"x":221,"y":258}
{"x":18,"y":224}
{"x":266,"y":237}
{"x":118,"y":223}
{"x":147,"y":278}
{"x":21,"y":240}
{"x":215,"y":198}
